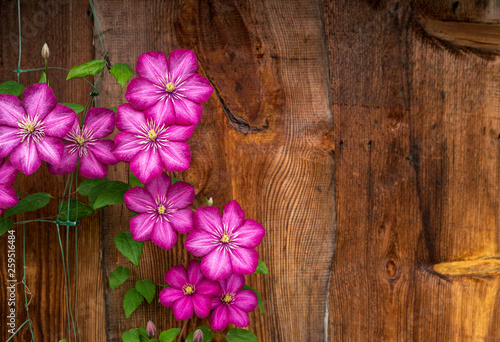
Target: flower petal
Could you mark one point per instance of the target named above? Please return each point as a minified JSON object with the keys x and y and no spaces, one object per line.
{"x":50,"y":150}
{"x":101,"y":121}
{"x":183,"y":308}
{"x":208,"y":219}
{"x":91,"y":167}
{"x":68,"y":163}
{"x":126,"y":146}
{"x":141,"y":227}
{"x":169,"y":295}
{"x":182,"y":64}
{"x":208,"y":287}
{"x":8,"y":173}
{"x":162,"y":112}
{"x":59,"y":122}
{"x":11,"y":110}
{"x":8,"y":140}
{"x":179,"y":133}
{"x":219,"y":318}
{"x":217,"y":265}
{"x":182,"y":220}
{"x":8,"y":197}
{"x":246,"y":300}
{"x":238,"y":317}
{"x":175,"y":156}
{"x":232,"y":284}
{"x":146,"y":165}
{"x":181,"y":194}
{"x":129,"y":120}
{"x":142,"y":93}
{"x":194,"y":272}
{"x":187,"y":112}
{"x":102,"y":151}
{"x":152,"y":66}
{"x":202,"y":305}
{"x":244,"y":260}
{"x":25,"y":158}
{"x":249,"y":234}
{"x":196,"y":88}
{"x":176,"y":277}
{"x":39,"y":99}
{"x":138,"y":200}
{"x":163,"y":235}
{"x":158,"y":186}
{"x":199,"y":242}
{"x":232,"y":215}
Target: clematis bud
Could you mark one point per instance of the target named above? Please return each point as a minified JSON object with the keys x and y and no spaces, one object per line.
{"x":198,"y":336}
{"x":151,"y":329}
{"x":45,"y":51}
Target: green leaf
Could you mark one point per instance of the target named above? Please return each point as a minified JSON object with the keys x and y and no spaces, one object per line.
{"x":241,"y":335}
{"x":11,"y":88}
{"x":114,"y":109}
{"x":146,"y":288}
{"x":118,"y":276}
{"x":143,"y":334}
{"x":86,"y":187}
{"x":131,"y":301}
{"x":169,"y":335}
{"x":29,"y":203}
{"x":5,"y":225}
{"x":130,"y":336}
{"x":43,"y":78}
{"x":207,"y":334}
{"x":64,"y":340}
{"x":77,"y":108}
{"x":91,"y":68}
{"x":134,"y":181}
{"x":131,"y":249}
{"x":121,"y":72}
{"x":259,"y":298}
{"x":112,"y":193}
{"x":75,"y":214}
{"x":261,"y":268}
{"x":179,"y":180}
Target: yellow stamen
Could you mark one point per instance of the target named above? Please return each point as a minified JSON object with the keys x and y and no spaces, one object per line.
{"x":80,"y":140}
{"x":224,"y":238}
{"x":170,"y":86}
{"x":30,"y":128}
{"x":152,"y":135}
{"x":227,"y":298}
{"x":161,"y":209}
{"x":188,"y":290}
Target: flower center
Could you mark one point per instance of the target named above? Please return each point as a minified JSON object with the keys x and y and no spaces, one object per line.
{"x":161,"y":209}
{"x":228,"y":298}
{"x":170,"y":86}
{"x":188,"y":289}
{"x":31,"y":129}
{"x":80,"y":140}
{"x":152,"y":135}
{"x":224,"y":238}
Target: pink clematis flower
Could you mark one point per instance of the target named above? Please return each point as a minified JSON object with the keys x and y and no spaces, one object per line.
{"x":170,"y":91}
{"x":227,"y":244}
{"x":189,"y":291}
{"x":163,"y":209}
{"x":31,"y":130}
{"x":84,"y":142}
{"x":233,"y":304}
{"x":8,"y":197}
{"x":150,"y":146}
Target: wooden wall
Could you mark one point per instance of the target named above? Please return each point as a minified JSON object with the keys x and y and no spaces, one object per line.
{"x":363,"y":135}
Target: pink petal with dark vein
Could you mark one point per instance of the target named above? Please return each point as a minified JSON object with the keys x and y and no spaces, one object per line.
{"x":101,"y":121}
{"x":39,"y":99}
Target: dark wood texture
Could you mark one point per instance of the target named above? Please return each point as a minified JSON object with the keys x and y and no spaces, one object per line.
{"x":416,"y":112}
{"x":403,"y":96}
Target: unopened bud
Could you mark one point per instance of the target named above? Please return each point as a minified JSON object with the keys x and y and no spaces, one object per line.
{"x":45,"y":51}
{"x":151,"y":329}
{"x":209,"y":201}
{"x":198,"y":336}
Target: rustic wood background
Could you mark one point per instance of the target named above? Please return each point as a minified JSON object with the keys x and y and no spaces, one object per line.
{"x":364,"y":135}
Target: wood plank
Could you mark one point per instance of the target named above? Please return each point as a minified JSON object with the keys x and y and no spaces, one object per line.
{"x":67,"y":29}
{"x":264,"y":141}
{"x":417,"y":173}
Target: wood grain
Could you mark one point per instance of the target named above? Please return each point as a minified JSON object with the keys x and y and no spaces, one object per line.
{"x":417,"y":174}
{"x":67,"y":29}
